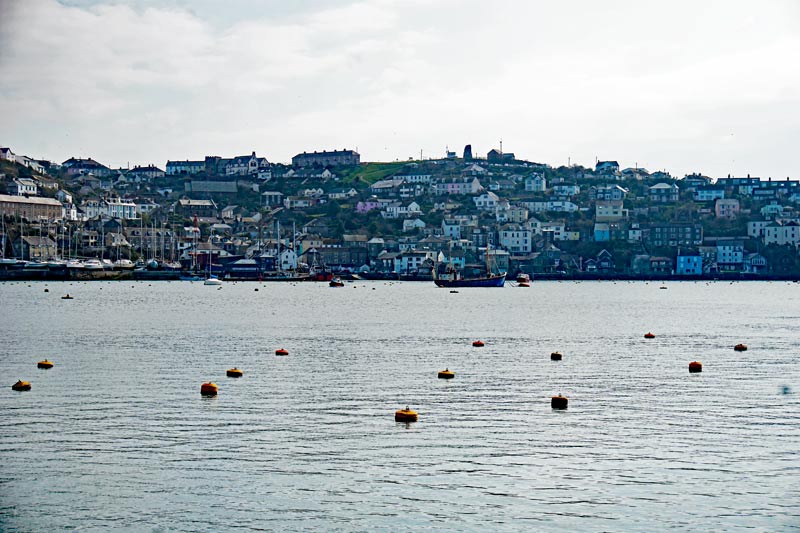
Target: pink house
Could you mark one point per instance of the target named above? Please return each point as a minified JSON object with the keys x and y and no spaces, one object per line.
{"x":369,"y":205}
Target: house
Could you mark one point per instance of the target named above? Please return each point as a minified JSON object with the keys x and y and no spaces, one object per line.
{"x":730,"y":255}
{"x":608,"y":192}
{"x":689,"y":264}
{"x":7,"y":154}
{"x":486,"y":201}
{"x":196,"y":208}
{"x":150,"y":172}
{"x":606,"y":167}
{"x":413,"y":224}
{"x":246,"y":165}
{"x":229,"y":212}
{"x":414,"y":261}
{"x":77,"y":166}
{"x":64,"y":196}
{"x":772,"y":210}
{"x":535,"y":183}
{"x":300,"y":202}
{"x":119,"y":208}
{"x":602,"y":232}
{"x":462,"y":185}
{"x":34,"y":248}
{"x":423,"y":179}
{"x":496,"y":156}
{"x":335,"y":158}
{"x":342,"y":194}
{"x":398,"y":210}
{"x":31,"y":208}
{"x":782,"y":233}
{"x":660,"y":265}
{"x":663,"y":193}
{"x":743,"y":186}
{"x":566,"y":190}
{"x":451,"y":228}
{"x":561,"y":206}
{"x":726,"y":208}
{"x":755,"y":263}
{"x":272,"y":198}
{"x":368,"y":205}
{"x":609,"y":210}
{"x":691,"y":182}
{"x":516,"y":239}
{"x":23,"y":187}
{"x":675,"y":234}
{"x":386,"y":187}
{"x":709,"y":193}
{"x":175,"y":168}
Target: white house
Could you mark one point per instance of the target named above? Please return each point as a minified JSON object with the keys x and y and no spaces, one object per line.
{"x":709,"y":193}
{"x":566,"y":189}
{"x":398,"y":210}
{"x":663,"y":193}
{"x":412,"y":224}
{"x":7,"y":154}
{"x":413,"y":260}
{"x":451,"y":228}
{"x":23,"y":187}
{"x":517,"y":239}
{"x":486,"y":201}
{"x":782,"y":233}
{"x":535,"y":183}
{"x":730,"y":255}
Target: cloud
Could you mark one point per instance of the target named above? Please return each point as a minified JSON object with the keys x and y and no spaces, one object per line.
{"x":664,"y":85}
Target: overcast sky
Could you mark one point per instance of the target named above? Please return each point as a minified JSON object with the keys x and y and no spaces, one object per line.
{"x":709,"y":86}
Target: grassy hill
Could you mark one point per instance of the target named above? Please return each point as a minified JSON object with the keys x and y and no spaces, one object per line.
{"x":369,"y":173}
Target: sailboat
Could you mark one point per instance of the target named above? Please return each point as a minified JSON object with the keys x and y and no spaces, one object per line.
{"x":453,"y":278}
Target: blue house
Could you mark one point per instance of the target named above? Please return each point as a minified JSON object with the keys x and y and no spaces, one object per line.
{"x":602,"y":232}
{"x":689,"y":265}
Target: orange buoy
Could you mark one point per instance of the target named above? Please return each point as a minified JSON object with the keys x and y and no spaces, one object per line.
{"x":281,"y":351}
{"x":555,"y":356}
{"x":478,"y":344}
{"x":21,"y":385}
{"x":740,"y":347}
{"x":559,"y":402}
{"x":649,"y":335}
{"x":446,"y":374}
{"x":234,"y":373}
{"x":405,"y":415}
{"x":695,"y":366}
{"x":209,"y":389}
{"x":45,"y":364}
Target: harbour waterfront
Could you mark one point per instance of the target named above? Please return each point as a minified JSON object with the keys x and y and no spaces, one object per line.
{"x":116,"y":434}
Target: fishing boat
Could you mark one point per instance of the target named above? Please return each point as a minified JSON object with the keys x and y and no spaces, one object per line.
{"x":452,"y":278}
{"x":336,"y":281}
{"x":212,"y":280}
{"x":523,"y":280}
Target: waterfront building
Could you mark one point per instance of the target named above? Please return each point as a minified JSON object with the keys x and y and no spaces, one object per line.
{"x":689,"y":264}
{"x":34,"y":248}
{"x":31,"y":208}
{"x":675,"y":234}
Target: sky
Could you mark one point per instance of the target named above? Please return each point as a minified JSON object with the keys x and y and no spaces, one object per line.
{"x":682,"y":86}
